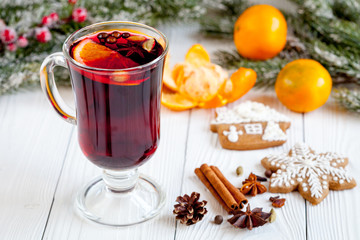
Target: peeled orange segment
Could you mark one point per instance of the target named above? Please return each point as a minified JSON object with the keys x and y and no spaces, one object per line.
{"x":197,"y":55}
{"x":177,"y":74}
{"x":176,"y":101}
{"x":92,"y":54}
{"x":239,"y":84}
{"x":168,"y":80}
{"x":201,"y":84}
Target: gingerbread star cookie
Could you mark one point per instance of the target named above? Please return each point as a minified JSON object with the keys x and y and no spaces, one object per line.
{"x":250,"y":125}
{"x":312,"y":174}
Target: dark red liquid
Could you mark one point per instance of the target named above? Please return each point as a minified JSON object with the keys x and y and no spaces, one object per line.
{"x":118,"y":119}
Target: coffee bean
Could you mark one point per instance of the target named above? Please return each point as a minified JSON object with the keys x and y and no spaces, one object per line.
{"x":102,"y":35}
{"x":116,"y":34}
{"x":260,"y":178}
{"x":268,"y":173}
{"x":111,"y":40}
{"x":125,"y":35}
{"x":218,"y":219}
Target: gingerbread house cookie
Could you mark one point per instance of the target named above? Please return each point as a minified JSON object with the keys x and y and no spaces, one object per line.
{"x":250,"y":125}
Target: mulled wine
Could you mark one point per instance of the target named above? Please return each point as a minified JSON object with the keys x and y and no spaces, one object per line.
{"x":118,"y":113}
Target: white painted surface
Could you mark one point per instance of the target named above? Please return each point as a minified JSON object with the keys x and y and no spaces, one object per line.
{"x":42,"y":168}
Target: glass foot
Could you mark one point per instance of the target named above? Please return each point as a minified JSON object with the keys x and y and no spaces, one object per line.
{"x":101,"y":204}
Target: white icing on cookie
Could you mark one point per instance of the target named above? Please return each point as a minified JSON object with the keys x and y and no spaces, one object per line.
{"x":273,"y":132}
{"x":248,"y":112}
{"x":232,"y":135}
{"x":309,"y":166}
{"x":255,"y":128}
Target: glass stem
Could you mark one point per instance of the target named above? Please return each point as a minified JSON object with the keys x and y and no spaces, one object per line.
{"x":120,"y":181}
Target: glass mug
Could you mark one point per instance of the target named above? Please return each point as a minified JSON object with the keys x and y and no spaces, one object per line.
{"x":118,"y":122}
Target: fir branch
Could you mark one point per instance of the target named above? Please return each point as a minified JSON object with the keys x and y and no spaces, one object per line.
{"x":328,"y":21}
{"x":339,"y":31}
{"x":20,"y":68}
{"x":323,"y":37}
{"x":220,"y":17}
{"x":340,"y":62}
{"x":347,"y":10}
{"x":266,"y":70}
{"x":349,"y":99}
{"x":149,"y":12}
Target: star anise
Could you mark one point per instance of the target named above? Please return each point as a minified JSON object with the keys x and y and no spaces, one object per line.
{"x":190,"y":210}
{"x":249,"y":219}
{"x":252,"y":186}
{"x":131,"y":49}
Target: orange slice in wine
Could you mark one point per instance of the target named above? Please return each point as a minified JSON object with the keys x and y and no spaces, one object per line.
{"x":92,"y":54}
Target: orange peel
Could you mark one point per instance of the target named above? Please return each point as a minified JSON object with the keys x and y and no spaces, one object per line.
{"x":239,"y":84}
{"x":176,"y":101}
{"x":197,"y":82}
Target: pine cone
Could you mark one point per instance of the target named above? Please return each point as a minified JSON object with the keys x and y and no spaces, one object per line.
{"x":189,"y":210}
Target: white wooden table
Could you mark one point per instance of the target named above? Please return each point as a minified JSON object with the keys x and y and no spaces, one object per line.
{"x":42,"y":168}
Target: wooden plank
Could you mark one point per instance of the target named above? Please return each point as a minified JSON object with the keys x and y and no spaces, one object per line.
{"x":33,"y":145}
{"x":166,"y":167}
{"x":331,"y":128}
{"x":203,"y":147}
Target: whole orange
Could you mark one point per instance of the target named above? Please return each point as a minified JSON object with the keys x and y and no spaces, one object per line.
{"x":303,"y":85}
{"x":260,"y":32}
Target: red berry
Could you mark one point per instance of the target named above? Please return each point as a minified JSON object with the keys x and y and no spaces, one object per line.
{"x":79,"y":15}
{"x":46,"y":21}
{"x":22,"y":41}
{"x":54,"y":17}
{"x":8,"y":35}
{"x":11,"y":47}
{"x":72,"y":1}
{"x":42,"y":34}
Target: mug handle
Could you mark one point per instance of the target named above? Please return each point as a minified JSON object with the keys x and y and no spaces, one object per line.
{"x":48,"y":86}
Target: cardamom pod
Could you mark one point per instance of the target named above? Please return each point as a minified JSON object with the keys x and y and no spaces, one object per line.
{"x":239,"y":171}
{"x":272,"y":217}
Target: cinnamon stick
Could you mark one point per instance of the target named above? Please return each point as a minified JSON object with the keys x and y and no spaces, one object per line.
{"x":238,"y":196}
{"x":219,"y":187}
{"x":207,"y":184}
